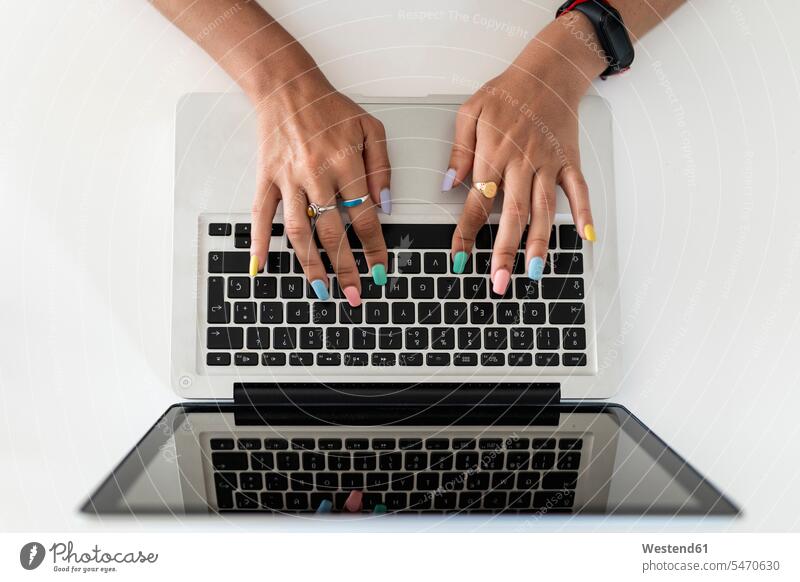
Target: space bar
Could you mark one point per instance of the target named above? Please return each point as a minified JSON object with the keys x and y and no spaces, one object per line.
{"x":411,"y":236}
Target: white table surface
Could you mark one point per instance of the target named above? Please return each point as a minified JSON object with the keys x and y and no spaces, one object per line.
{"x":708,"y":169}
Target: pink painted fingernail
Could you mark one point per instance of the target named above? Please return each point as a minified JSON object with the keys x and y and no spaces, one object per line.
{"x":500,"y":281}
{"x":353,"y":503}
{"x":352,"y":295}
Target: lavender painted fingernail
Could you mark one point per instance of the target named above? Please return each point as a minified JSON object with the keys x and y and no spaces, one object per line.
{"x":386,"y":201}
{"x":448,"y":180}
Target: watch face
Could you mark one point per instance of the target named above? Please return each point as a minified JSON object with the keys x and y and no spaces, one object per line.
{"x":618,"y":40}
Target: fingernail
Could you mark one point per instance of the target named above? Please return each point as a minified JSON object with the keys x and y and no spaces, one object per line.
{"x":325,"y":506}
{"x":352,"y":296}
{"x":386,"y":201}
{"x":448,"y":180}
{"x":380,"y":509}
{"x":379,"y":274}
{"x":589,"y":233}
{"x":253,"y":265}
{"x":353,"y":503}
{"x":501,"y":280}
{"x":459,"y":262}
{"x":535,"y":268}
{"x":320,"y":289}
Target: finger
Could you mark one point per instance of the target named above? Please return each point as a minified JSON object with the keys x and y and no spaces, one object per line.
{"x":364,"y":219}
{"x":543,"y":209}
{"x":577,"y":191}
{"x":517,"y":185}
{"x":463,"y":152}
{"x":298,"y":229}
{"x":330,"y":232}
{"x":376,"y":163}
{"x":475,"y":213}
{"x":265,"y":204}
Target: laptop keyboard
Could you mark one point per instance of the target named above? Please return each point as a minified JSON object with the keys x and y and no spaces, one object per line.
{"x":424,"y":317}
{"x":501,"y":472}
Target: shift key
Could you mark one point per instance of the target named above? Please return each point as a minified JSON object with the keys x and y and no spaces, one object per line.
{"x":228,"y":262}
{"x":224,"y":338}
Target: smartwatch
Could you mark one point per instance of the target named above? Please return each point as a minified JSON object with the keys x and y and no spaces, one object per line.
{"x":610,"y":30}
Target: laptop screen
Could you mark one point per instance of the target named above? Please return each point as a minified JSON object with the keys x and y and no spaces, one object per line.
{"x":560,"y":460}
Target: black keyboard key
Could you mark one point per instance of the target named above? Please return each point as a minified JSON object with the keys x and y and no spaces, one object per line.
{"x":361,"y":262}
{"x":416,"y":338}
{"x":444,"y":501}
{"x":311,"y":338}
{"x":429,"y":313}
{"x":219,"y":311}
{"x":224,"y":338}
{"x":527,"y":480}
{"x":284,"y":338}
{"x":384,"y":444}
{"x":436,"y":444}
{"x":568,"y":237}
{"x":469,"y":500}
{"x":545,"y":359}
{"x":491,"y":444}
{"x":247,"y":501}
{"x":448,"y":288}
{"x":567,"y":314}
{"x":377,"y":313}
{"x":495,"y":338}
{"x":384,"y":359}
{"x":520,"y":359}
{"x":313,"y":461}
{"x":303,"y":444}
{"x":443,"y":338}
{"x":273,"y":359}
{"x":533,"y":313}
{"x":502,"y":480}
{"x":475,"y":288}
{"x":526,"y":289}
{"x":437,"y":360}
{"x":469,"y":338}
{"x":568,"y":264}
{"x":412,"y":444}
{"x":550,"y":500}
{"x":352,"y":481}
{"x":422,"y":287}
{"x":356,"y":444}
{"x":292,"y":287}
{"x":271,"y":312}
{"x":492,"y":461}
{"x":225,"y":484}
{"x":337,"y":338}
{"x":239,"y":287}
{"x":481,"y":313}
{"x":455,"y":313}
{"x":329,"y":359}
{"x":370,"y":500}
{"x":402,"y":481}
{"x":258,"y":338}
{"x":574,"y":338}
{"x":397,"y":288}
{"x":508,"y":314}
{"x":229,"y":461}
{"x":329,"y":444}
{"x":278,"y":262}
{"x":219,"y":229}
{"x":465,"y":359}
{"x":569,"y":288}
{"x":390,"y":338}
{"x":436,"y":263}
{"x":466,"y":460}
{"x":560,"y":480}
{"x":243,"y":359}
{"x":574,"y":360}
{"x":356,"y":359}
{"x":428,"y":481}
{"x":369,"y":289}
{"x":495,"y":500}
{"x":493,"y":359}
{"x":463,"y":444}
{"x":364,"y":338}
{"x":571,"y":444}
{"x":403,"y":312}
{"x":441,"y":460}
{"x":263,"y":461}
{"x":486,"y":237}
{"x":297,"y":501}
{"x":350,"y":315}
{"x":377,"y":481}
{"x":396,"y":501}
{"x":411,"y":359}
{"x":483,"y":263}
{"x":365,"y":461}
{"x":301,"y":359}
{"x":323,"y":312}
{"x":416,"y":461}
{"x":543,"y":461}
{"x":298,"y":312}
{"x":243,"y":229}
{"x":276,"y":444}
{"x":302,"y":481}
{"x":568,"y":461}
{"x":478,"y":481}
{"x":518,"y":460}
{"x":327,"y":481}
{"x":218,"y":359}
{"x":390,"y":461}
{"x":244,"y":312}
{"x":265,"y":288}
{"x":339,"y":461}
{"x":543,"y":444}
{"x":453,"y":481}
{"x":518,"y":443}
{"x":221,"y":444}
{"x":522,"y":338}
{"x":289,"y":461}
{"x":547,"y":338}
{"x":228,"y":262}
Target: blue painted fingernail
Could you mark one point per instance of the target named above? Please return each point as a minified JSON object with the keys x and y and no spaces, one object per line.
{"x":448,"y":180}
{"x":325,"y":506}
{"x":459,"y":262}
{"x":535,"y":268}
{"x":386,"y":201}
{"x":379,"y":274}
{"x":320,"y":289}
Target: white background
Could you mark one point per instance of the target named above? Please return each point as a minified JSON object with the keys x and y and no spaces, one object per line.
{"x":707,"y":177}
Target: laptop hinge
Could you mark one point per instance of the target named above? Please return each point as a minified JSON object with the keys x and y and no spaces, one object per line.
{"x":397,"y":394}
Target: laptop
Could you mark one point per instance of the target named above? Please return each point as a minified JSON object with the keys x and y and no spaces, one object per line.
{"x":434,"y":396}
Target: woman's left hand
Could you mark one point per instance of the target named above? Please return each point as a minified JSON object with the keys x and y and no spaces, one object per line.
{"x":521,"y":130}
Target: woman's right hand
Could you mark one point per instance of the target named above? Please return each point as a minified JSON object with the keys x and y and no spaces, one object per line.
{"x":316,"y":144}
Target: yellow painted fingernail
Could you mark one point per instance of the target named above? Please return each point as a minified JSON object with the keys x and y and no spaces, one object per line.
{"x":589,"y":233}
{"x":253,"y":266}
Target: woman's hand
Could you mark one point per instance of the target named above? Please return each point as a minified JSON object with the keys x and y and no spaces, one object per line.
{"x":317,"y":144}
{"x":521,"y":129}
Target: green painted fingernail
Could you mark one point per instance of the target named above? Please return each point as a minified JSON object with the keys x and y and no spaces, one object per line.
{"x":459,"y":262}
{"x":379,"y":274}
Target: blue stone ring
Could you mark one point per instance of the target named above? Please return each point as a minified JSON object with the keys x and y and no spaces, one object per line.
{"x":355,"y":201}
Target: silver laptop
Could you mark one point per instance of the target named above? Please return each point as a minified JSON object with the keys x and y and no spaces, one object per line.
{"x":434,"y":396}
